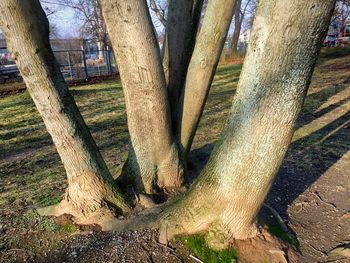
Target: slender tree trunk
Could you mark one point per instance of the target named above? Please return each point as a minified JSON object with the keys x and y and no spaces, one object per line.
{"x":153,"y":160}
{"x":90,"y":185}
{"x":183,"y":21}
{"x":101,"y":50}
{"x":238,"y":25}
{"x":201,"y":70}
{"x":230,"y":191}
{"x":178,"y":34}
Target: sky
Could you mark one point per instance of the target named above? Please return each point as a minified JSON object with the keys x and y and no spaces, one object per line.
{"x":67,"y":24}
{"x":65,"y":21}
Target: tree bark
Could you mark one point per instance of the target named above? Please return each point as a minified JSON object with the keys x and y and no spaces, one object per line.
{"x":90,"y":184}
{"x":201,"y":70}
{"x":178,"y":34}
{"x":227,"y":196}
{"x":238,"y":25}
{"x":182,"y":26}
{"x":153,"y":160}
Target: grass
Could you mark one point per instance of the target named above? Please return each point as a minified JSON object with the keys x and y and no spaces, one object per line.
{"x":334,"y":52}
{"x":277,"y":231}
{"x":197,"y":244}
{"x":31,"y":168}
{"x":47,"y":200}
{"x":31,"y":173}
{"x":32,"y":219}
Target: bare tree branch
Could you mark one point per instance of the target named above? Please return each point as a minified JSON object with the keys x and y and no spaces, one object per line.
{"x":158,"y":11}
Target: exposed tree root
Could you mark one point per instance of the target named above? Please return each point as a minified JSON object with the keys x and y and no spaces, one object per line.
{"x":103,"y":216}
{"x":277,"y":217}
{"x":257,"y":244}
{"x":90,"y":202}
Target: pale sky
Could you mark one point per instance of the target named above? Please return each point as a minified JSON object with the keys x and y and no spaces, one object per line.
{"x":65,"y":21}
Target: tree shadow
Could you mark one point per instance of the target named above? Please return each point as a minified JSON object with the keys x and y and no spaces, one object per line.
{"x":307,"y":158}
{"x":88,"y":91}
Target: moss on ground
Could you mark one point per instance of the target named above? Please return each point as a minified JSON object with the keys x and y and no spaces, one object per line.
{"x":278,"y":232}
{"x":31,"y":173}
{"x":199,"y":247}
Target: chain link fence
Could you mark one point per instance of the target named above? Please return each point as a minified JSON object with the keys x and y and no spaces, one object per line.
{"x":74,"y":64}
{"x":79,"y":64}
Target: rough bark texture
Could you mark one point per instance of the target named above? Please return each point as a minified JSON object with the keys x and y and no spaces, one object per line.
{"x":201,"y":70}
{"x":227,"y":196}
{"x":153,"y":160}
{"x":90,"y":185}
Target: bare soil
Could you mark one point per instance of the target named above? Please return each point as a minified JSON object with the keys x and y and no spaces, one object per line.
{"x":311,"y":192}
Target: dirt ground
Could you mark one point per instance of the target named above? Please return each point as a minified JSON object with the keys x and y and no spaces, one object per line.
{"x":311,"y":192}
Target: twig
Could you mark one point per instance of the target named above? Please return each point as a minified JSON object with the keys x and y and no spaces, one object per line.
{"x":165,"y":246}
{"x":173,"y":254}
{"x":16,"y":249}
{"x":278,"y":218}
{"x":196,"y":259}
{"x":324,"y":202}
{"x":318,"y":250}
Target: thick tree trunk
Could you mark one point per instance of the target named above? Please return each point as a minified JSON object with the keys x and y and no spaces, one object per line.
{"x":153,"y":160}
{"x":90,"y":185}
{"x":201,"y":70}
{"x":238,"y":24}
{"x":230,"y":191}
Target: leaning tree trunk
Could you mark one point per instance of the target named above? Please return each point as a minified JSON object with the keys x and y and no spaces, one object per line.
{"x":201,"y":69}
{"x":230,"y":191}
{"x":153,"y":161}
{"x":90,"y":185}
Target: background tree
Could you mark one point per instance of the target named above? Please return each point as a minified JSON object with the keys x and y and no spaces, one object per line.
{"x":341,"y":11}
{"x":90,"y":16}
{"x":243,"y":19}
{"x":159,"y":9}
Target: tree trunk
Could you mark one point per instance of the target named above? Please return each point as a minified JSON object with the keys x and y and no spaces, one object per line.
{"x":153,"y":160}
{"x":101,"y":50}
{"x":238,"y":24}
{"x":178,"y":34}
{"x":201,"y":70}
{"x":182,"y":26}
{"x":90,"y":185}
{"x":227,"y":196}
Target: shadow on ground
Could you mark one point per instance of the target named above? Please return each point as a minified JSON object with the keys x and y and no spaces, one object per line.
{"x":321,"y":140}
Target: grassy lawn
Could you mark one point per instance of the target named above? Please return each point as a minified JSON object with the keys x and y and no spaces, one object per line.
{"x":30,"y":167}
{"x":32,"y":175}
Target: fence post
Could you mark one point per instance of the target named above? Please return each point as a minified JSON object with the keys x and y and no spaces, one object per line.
{"x":70,"y":65}
{"x":84,"y":63}
{"x":109,"y":64}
